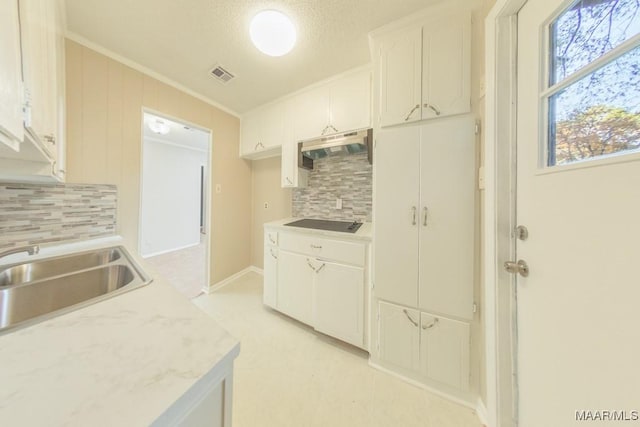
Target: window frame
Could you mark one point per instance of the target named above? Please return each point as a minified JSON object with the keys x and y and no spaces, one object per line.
{"x":546,"y":91}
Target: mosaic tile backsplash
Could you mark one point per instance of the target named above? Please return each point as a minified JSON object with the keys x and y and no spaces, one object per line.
{"x":345,"y":176}
{"x":41,"y":214}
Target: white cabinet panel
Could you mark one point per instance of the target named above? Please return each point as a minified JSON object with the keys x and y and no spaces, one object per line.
{"x":270,"y":279}
{"x":262,"y":131}
{"x":295,"y":285}
{"x":399,"y":336}
{"x":339,"y":301}
{"x":291,"y":175}
{"x":351,"y":102}
{"x":11,"y":90}
{"x":310,"y":113}
{"x":328,"y":249}
{"x":444,"y":351}
{"x":447,"y":197}
{"x":400,"y":77}
{"x":396,"y":216}
{"x":446,"y":67}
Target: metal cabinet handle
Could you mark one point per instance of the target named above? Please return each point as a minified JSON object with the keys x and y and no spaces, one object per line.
{"x":258,"y":145}
{"x":321,"y":267}
{"x":311,"y":265}
{"x":289,"y":180}
{"x":433,"y":108}
{"x":414,"y":211}
{"x":272,"y":254}
{"x":271,"y":239}
{"x":425,"y":210}
{"x":406,"y":313}
{"x":411,"y":112}
{"x":430,"y":325}
{"x":325,"y":130}
{"x":315,"y":247}
{"x":333,"y":127}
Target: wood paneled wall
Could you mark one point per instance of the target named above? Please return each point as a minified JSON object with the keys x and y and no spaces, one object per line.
{"x":105,"y":100}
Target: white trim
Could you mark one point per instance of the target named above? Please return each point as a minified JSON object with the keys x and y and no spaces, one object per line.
{"x":145,"y":70}
{"x":413,"y":382}
{"x":173,"y":144}
{"x":179,"y":248}
{"x":224,"y":282}
{"x":257,"y":270}
{"x":481,"y":411}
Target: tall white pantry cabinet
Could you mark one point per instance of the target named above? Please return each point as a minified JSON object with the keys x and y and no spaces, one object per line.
{"x":424,"y":201}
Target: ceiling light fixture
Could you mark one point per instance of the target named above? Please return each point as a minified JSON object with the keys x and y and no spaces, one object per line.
{"x":272,"y":32}
{"x":159,"y":126}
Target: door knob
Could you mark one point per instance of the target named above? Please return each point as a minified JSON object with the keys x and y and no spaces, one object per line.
{"x":520,"y":267}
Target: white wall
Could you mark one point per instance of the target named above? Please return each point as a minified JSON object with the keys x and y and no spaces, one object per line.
{"x":170,"y":197}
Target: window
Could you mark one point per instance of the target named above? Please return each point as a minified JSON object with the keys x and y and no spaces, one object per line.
{"x":592,"y":95}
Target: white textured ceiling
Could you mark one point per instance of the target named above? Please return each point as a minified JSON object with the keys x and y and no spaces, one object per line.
{"x":183,"y":39}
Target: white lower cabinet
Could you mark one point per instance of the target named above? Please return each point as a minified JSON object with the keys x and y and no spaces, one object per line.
{"x":338,"y":308}
{"x":444,"y":351}
{"x":399,"y":338}
{"x":422,"y":345}
{"x":318,"y":281}
{"x":295,"y":286}
{"x":269,"y":291}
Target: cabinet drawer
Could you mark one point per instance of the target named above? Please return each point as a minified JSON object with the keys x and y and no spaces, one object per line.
{"x":270,"y":237}
{"x":337,"y":250}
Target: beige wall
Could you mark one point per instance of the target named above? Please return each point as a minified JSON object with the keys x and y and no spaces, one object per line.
{"x":266,"y":189}
{"x":104,"y":114}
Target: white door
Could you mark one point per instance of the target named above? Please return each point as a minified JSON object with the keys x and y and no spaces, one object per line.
{"x":339,"y":301}
{"x":447,"y":220}
{"x":270,"y":284}
{"x":401,"y":77}
{"x":295,"y":285}
{"x":396,"y":216}
{"x":578,"y":310}
{"x":399,"y":338}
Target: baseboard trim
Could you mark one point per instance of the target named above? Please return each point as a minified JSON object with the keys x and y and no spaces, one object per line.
{"x":224,"y":282}
{"x":190,"y":245}
{"x":456,"y":399}
{"x":481,"y":411}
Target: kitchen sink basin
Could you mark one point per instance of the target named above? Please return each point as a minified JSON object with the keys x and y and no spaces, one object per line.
{"x":39,"y":290}
{"x":44,"y":268}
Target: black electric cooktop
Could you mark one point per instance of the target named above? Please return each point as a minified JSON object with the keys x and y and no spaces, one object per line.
{"x":321,"y":224}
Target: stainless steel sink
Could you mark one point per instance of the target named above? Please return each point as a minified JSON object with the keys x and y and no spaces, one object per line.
{"x":38,"y":290}
{"x":40,"y":269}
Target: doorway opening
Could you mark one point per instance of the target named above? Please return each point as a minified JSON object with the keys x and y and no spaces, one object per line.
{"x":174,"y":204}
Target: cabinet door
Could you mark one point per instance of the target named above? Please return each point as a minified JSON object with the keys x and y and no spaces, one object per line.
{"x":446,"y":69}
{"x":270,"y":284}
{"x":339,"y":301}
{"x":397,"y":176}
{"x":273,"y":124}
{"x":401,"y":77}
{"x":351,"y":102}
{"x":37,"y":22}
{"x":447,"y":216}
{"x":399,"y":338}
{"x":309,"y":113}
{"x":295,"y":284}
{"x":250,"y":133}
{"x":11,"y":91}
{"x":444,"y":351}
{"x":292,"y":175}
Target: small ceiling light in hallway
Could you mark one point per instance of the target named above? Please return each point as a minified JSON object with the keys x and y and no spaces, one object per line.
{"x":159,"y":126}
{"x":272,"y":32}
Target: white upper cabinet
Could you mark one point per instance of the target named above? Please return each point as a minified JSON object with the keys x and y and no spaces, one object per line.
{"x":341,"y":105}
{"x":425,"y":70}
{"x":262,"y":132}
{"x":400,"y":77}
{"x":11,"y":90}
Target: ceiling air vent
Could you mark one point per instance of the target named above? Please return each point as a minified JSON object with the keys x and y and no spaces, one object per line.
{"x":221,"y":74}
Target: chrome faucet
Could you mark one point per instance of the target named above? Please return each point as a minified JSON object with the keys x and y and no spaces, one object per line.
{"x":31,"y":250}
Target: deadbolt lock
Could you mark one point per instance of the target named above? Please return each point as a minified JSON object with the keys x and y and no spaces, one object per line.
{"x":520,"y":267}
{"x":522,"y":233}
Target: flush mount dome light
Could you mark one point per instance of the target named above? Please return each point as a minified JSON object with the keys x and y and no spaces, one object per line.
{"x":159,"y":126}
{"x":272,"y":32}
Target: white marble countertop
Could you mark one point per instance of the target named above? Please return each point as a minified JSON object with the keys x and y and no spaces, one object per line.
{"x":364,"y":233}
{"x":120,"y":362}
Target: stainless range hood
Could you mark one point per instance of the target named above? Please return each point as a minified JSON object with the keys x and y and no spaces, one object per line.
{"x":350,"y":142}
